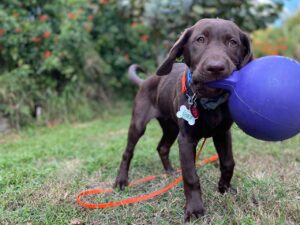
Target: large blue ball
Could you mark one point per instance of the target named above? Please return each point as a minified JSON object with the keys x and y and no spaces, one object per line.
{"x":265,"y":97}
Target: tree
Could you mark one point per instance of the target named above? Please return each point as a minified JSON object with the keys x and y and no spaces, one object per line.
{"x":44,"y":47}
{"x":72,"y":54}
{"x":279,"y":40}
{"x":166,"y":19}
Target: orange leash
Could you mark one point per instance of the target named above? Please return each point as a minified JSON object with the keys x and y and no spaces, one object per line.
{"x":142,"y":197}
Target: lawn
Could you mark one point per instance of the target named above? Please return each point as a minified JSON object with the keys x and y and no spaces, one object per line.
{"x":43,"y":169}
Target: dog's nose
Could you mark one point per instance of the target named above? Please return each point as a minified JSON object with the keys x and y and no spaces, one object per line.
{"x":214,"y":66}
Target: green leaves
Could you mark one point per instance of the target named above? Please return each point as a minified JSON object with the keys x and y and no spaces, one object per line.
{"x":279,"y":40}
{"x":90,"y":44}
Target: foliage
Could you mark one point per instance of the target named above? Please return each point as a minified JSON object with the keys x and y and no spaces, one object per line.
{"x":83,"y":48}
{"x":15,"y":87}
{"x":45,"y":37}
{"x":178,"y":14}
{"x":44,"y":48}
{"x":283,"y":40}
{"x":167,"y":19}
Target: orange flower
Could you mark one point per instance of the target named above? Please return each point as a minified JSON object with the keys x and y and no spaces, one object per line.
{"x":47,"y":54}
{"x":56,"y":40}
{"x":71,"y":16}
{"x":36,"y":40}
{"x":18,"y":30}
{"x":126,"y":57}
{"x":90,"y":18}
{"x":87,"y":27}
{"x":47,"y":34}
{"x":133,"y":24}
{"x":43,"y":18}
{"x":103,"y":2}
{"x":2,"y":32}
{"x":79,"y":11}
{"x":282,"y":47}
{"x":15,"y":14}
{"x":144,"y":38}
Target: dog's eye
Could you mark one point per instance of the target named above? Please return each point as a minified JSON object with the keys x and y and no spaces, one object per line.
{"x":232,"y":43}
{"x":201,"y":39}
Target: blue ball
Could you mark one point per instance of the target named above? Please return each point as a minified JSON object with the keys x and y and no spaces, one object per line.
{"x":265,"y":97}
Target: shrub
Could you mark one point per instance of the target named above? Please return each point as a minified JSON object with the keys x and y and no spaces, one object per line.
{"x":69,"y":55}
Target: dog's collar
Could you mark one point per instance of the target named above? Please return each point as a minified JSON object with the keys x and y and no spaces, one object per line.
{"x":206,"y":103}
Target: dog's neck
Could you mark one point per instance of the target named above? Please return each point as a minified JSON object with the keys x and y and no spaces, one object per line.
{"x":206,"y":103}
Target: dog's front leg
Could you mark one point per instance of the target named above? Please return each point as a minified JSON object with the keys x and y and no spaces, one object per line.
{"x":192,"y":190}
{"x":223,"y":145}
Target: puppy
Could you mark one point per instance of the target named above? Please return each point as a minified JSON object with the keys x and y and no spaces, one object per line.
{"x":212,"y":49}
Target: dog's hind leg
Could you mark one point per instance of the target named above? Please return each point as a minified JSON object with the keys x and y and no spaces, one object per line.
{"x":170,"y":132}
{"x":143,"y":112}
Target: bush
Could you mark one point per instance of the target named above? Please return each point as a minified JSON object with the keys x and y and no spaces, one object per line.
{"x":67,"y":56}
{"x":279,"y":40}
{"x":45,"y":49}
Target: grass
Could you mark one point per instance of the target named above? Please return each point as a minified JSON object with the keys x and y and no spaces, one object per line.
{"x":43,"y":169}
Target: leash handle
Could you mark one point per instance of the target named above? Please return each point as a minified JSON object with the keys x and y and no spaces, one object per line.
{"x":141,"y":197}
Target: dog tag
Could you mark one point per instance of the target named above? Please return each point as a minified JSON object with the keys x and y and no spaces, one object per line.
{"x":186,"y":114}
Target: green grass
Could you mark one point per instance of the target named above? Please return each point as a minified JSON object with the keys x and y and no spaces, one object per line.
{"x":43,"y":169}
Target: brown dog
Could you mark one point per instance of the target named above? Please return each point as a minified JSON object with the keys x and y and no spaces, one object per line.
{"x":212,"y":50}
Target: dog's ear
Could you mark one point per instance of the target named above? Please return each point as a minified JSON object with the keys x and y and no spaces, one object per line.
{"x":247,"y":51}
{"x":175,"y":52}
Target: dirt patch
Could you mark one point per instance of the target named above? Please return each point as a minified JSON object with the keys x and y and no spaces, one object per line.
{"x":57,"y":188}
{"x":9,"y":138}
{"x":70,"y":168}
{"x":262,"y":167}
{"x":108,"y":136}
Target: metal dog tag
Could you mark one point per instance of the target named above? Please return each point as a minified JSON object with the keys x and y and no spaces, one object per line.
{"x":186,"y":114}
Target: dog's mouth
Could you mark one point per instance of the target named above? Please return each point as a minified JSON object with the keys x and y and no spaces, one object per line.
{"x":200,"y":88}
{"x":202,"y":91}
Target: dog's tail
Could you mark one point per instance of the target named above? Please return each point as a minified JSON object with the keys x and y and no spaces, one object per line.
{"x":133,"y":74}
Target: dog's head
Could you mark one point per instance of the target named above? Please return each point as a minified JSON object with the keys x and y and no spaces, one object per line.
{"x":212,"y":49}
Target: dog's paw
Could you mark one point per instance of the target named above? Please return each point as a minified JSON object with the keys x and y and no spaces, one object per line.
{"x":121,"y":182}
{"x":227,"y":189}
{"x":170,"y":171}
{"x":195,"y":209}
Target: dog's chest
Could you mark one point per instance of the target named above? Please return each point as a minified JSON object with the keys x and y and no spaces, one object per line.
{"x":212,"y":121}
